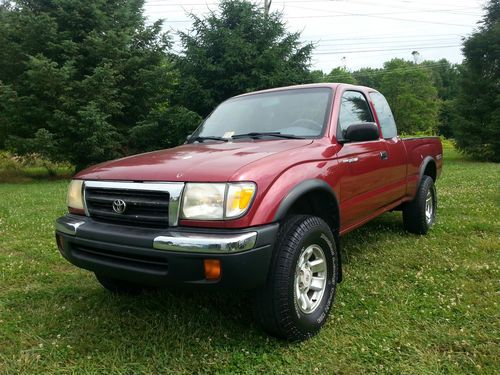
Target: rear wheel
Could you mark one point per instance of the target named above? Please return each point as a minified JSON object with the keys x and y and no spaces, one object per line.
{"x":296,"y":301}
{"x":118,"y":286}
{"x":420,"y":214}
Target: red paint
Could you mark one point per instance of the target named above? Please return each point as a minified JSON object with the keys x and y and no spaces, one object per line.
{"x":365,"y":188}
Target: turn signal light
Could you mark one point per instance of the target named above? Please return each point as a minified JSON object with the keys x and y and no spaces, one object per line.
{"x":212,"y":269}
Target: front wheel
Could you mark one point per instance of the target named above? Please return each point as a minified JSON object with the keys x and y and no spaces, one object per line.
{"x":296,"y":301}
{"x":420,"y":214}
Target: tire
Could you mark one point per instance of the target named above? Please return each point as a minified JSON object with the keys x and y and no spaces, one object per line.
{"x":280,"y":306}
{"x":420,"y":214}
{"x":118,"y":286}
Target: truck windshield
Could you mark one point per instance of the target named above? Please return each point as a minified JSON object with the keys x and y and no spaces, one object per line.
{"x":298,"y":113}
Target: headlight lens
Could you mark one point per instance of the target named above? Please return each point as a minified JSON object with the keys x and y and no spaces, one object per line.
{"x":75,"y":197}
{"x":216,"y":201}
{"x":203,"y":201}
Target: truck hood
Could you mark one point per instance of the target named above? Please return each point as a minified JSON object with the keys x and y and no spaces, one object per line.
{"x":202,"y":162}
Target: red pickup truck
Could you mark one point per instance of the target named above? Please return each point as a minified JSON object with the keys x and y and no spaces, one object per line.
{"x":256,"y":199}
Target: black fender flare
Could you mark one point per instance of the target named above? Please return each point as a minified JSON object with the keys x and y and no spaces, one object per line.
{"x":303,"y":188}
{"x":427,"y":160}
{"x":299,"y":190}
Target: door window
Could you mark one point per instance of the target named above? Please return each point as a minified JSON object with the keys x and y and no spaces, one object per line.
{"x":354,"y":109}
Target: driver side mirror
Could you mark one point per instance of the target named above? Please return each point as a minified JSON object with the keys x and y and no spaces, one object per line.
{"x":362,"y":132}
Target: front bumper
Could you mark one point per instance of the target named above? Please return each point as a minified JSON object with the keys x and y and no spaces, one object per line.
{"x":159,"y":257}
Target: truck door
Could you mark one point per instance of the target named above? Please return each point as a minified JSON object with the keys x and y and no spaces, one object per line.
{"x":395,"y":173}
{"x":362,"y":187}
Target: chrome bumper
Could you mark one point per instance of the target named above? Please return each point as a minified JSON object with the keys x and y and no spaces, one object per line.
{"x":180,"y":241}
{"x":206,"y":243}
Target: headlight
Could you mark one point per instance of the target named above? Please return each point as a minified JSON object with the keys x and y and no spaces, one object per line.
{"x":75,"y":197}
{"x":216,"y":201}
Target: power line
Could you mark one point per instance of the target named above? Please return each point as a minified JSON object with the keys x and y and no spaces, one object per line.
{"x":391,"y":42}
{"x":385,"y":37}
{"x":383,"y":50}
{"x":371,"y":14}
{"x":416,"y":67}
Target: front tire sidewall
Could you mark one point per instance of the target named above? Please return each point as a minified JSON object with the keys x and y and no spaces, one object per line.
{"x":309,"y":324}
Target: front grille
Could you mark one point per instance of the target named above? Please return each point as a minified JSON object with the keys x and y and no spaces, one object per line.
{"x":153,"y":264}
{"x":142,"y":207}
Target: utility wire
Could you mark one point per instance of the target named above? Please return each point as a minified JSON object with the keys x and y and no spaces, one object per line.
{"x":384,"y":37}
{"x":383,"y":50}
{"x":390,"y":42}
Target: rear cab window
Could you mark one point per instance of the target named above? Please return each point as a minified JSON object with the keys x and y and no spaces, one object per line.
{"x":384,"y":114}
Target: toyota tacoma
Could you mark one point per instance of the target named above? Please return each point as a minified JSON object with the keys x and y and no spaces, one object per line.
{"x":256,"y":199}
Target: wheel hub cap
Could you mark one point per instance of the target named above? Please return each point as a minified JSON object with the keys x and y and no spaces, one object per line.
{"x":429,"y":207}
{"x":310,"y":278}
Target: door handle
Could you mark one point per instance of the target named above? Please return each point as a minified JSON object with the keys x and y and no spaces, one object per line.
{"x":383,"y":155}
{"x":350,"y":160}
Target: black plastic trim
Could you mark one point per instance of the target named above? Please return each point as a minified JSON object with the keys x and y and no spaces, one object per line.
{"x":298,"y":191}
{"x":125,"y":252}
{"x":423,"y":166}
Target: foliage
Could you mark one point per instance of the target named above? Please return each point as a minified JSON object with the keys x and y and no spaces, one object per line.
{"x":446,"y":79}
{"x":86,"y":81}
{"x":407,"y":305}
{"x":478,"y":134}
{"x":413,"y":98}
{"x":77,"y":76}
{"x":316,"y":76}
{"x":25,"y":167}
{"x":237,"y":50}
{"x":368,"y":77}
{"x":164,"y":128}
{"x":340,"y":75}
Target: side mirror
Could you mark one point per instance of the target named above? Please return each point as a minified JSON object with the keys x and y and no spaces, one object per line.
{"x":365,"y":131}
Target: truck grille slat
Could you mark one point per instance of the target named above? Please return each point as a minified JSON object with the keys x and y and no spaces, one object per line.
{"x":141,"y":207}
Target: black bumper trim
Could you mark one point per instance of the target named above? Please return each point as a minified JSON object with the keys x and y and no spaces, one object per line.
{"x":127,"y":253}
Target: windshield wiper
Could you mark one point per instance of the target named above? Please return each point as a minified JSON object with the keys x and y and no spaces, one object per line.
{"x":266,"y":134}
{"x":207,"y":138}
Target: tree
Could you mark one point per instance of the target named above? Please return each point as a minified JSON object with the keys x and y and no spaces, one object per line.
{"x":412,"y":96}
{"x":340,"y":75}
{"x":478,"y":134}
{"x":446,"y":78}
{"x":317,"y":76}
{"x":368,"y":77}
{"x":236,"y":50}
{"x":82,"y":75}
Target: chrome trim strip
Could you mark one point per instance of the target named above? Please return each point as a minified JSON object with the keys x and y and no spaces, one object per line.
{"x":206,"y":243}
{"x":68,"y":225}
{"x":175,"y":190}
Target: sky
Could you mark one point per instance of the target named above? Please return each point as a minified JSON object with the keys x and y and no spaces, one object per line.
{"x":355,"y":33}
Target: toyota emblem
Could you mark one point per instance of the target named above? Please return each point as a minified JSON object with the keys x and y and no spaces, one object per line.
{"x":119,"y":206}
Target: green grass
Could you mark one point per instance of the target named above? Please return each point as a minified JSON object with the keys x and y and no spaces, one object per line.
{"x":408,"y":304}
{"x":31,"y":174}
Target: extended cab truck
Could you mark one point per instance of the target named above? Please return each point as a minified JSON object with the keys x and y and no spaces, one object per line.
{"x":256,"y":199}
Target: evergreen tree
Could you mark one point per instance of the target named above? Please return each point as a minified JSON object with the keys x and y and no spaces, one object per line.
{"x":237,"y":50}
{"x":478,"y":134}
{"x":81,"y":75}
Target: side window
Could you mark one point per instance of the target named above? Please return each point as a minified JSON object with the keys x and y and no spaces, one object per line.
{"x":384,"y":114}
{"x":353,"y":110}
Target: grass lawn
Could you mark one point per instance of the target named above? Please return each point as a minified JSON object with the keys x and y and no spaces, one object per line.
{"x":408,"y":304}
